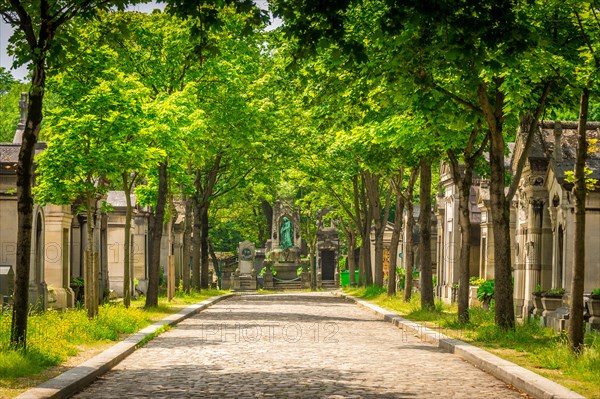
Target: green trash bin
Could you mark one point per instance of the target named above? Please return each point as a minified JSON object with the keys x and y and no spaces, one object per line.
{"x":345,"y":277}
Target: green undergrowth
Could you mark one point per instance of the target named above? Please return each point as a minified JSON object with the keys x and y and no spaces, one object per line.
{"x":54,"y":336}
{"x":530,"y":345}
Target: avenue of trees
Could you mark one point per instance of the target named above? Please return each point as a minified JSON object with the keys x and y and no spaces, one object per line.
{"x":347,"y":108}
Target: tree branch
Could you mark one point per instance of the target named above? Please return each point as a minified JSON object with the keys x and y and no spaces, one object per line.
{"x":458,"y":99}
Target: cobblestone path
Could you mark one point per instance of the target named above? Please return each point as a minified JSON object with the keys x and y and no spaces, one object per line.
{"x":297,"y":345}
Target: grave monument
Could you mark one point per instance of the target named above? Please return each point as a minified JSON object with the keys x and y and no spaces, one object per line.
{"x":244,"y":278}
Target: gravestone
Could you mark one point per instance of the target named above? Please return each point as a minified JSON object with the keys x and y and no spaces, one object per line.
{"x":244,"y":278}
{"x":246,"y":255}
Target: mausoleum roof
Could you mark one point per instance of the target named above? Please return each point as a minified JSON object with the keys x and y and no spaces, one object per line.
{"x":117,"y":199}
{"x":545,"y":146}
{"x":9,"y":152}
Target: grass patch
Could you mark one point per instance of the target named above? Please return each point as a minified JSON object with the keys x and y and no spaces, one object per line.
{"x":530,"y":345}
{"x":54,"y":336}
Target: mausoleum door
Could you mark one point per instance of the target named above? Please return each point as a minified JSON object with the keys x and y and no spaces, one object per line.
{"x":328,"y":265}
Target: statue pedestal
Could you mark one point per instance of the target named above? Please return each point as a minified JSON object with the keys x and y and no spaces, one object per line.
{"x":286,"y":271}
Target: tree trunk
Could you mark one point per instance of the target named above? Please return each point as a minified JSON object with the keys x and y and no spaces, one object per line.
{"x":351,"y":260}
{"x":500,"y":212}
{"x":576,"y":324}
{"x":159,"y":218}
{"x":267,"y":210}
{"x":359,"y":226}
{"x":90,"y":271}
{"x":101,"y":257}
{"x":365,"y":250}
{"x":427,"y":299}
{"x":213,"y":257}
{"x":204,"y":256}
{"x":197,"y":228}
{"x":127,"y":242}
{"x":171,"y":282}
{"x":18,"y":336}
{"x":408,"y":229}
{"x":350,"y":235}
{"x":463,"y":180}
{"x":408,"y":246}
{"x":499,"y":206}
{"x":374,"y":202}
{"x":500,"y":215}
{"x":187,"y":241}
{"x":465,"y":246}
{"x":313,"y":268}
{"x":395,"y":239}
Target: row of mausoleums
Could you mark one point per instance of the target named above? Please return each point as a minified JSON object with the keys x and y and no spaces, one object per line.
{"x":542,"y":222}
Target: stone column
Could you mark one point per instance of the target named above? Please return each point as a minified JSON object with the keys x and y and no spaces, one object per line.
{"x":533,"y":251}
{"x":441,"y":246}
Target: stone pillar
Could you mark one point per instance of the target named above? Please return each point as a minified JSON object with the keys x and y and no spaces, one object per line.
{"x":38,"y":290}
{"x":441,"y":253}
{"x":533,"y":254}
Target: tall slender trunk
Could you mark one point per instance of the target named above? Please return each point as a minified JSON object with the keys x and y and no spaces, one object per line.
{"x":503,"y":295}
{"x":213,"y":257}
{"x":350,"y":235}
{"x":379,"y":222}
{"x":171,"y":282}
{"x":18,"y":336}
{"x":159,"y":218}
{"x":267,"y":210}
{"x":499,"y":205}
{"x":102,"y":258}
{"x":500,"y":215}
{"x":311,"y":241}
{"x":365,"y":250}
{"x":127,"y":241}
{"x":576,"y":324}
{"x":409,"y":259}
{"x":395,"y":239}
{"x":465,"y":247}
{"x":204,"y":255}
{"x":408,"y":228}
{"x":463,"y":180}
{"x":427,"y":299}
{"x":196,"y":235}
{"x":359,"y":226}
{"x":90,"y":271}
{"x":313,"y":268}
{"x":351,"y":261}
{"x":187,"y":241}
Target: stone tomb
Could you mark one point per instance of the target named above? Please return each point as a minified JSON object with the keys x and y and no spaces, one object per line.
{"x":244,"y":278}
{"x":285,"y":245}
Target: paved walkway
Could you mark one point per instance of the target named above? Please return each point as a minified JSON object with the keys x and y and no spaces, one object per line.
{"x":292,"y":346}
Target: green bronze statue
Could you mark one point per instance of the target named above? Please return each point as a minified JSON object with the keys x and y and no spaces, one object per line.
{"x":286,"y":233}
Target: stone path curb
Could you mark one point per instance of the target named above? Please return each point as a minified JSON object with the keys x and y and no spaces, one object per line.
{"x":70,"y":382}
{"x":508,"y":372}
